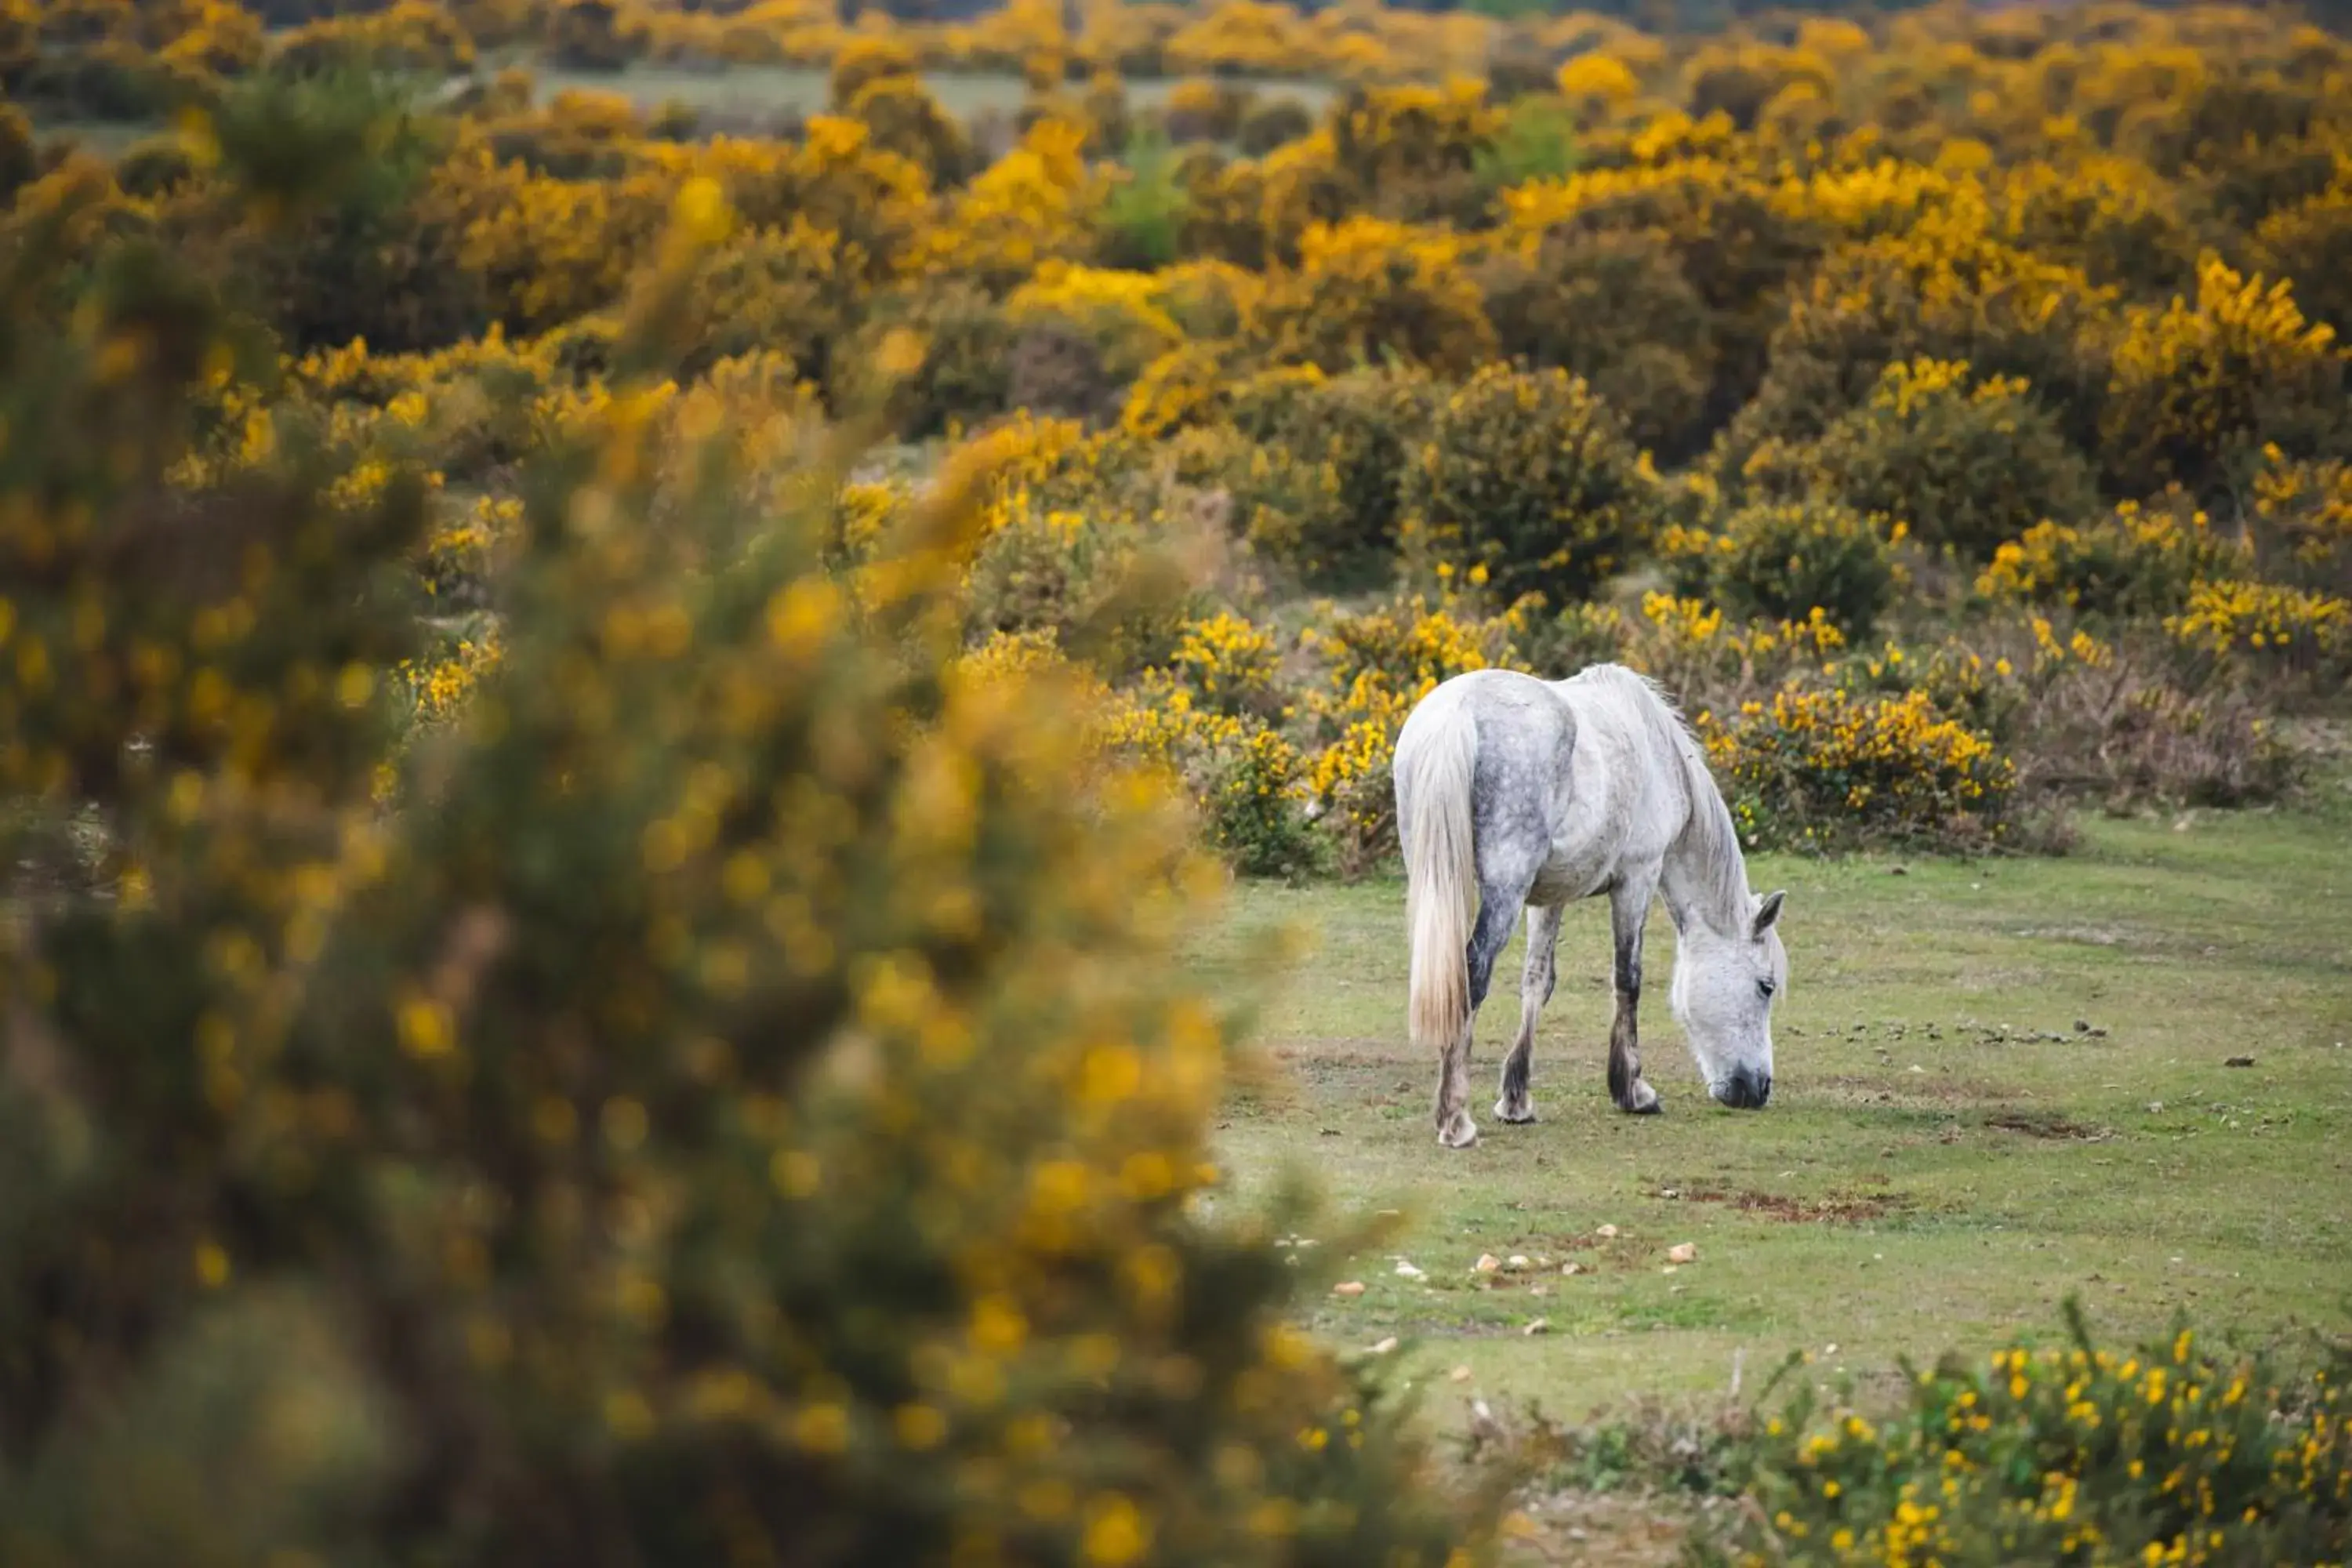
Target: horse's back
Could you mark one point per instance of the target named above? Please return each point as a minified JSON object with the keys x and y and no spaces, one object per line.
{"x":1579,"y":777}
{"x":1520,"y":721}
{"x":1518,"y":767}
{"x":1596,"y":767}
{"x":1628,"y":770}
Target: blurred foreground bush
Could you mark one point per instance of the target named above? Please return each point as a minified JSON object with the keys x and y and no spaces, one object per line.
{"x":740,"y":1101}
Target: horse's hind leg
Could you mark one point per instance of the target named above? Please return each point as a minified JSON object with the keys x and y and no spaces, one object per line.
{"x":1628,"y":908}
{"x":1535,"y":990}
{"x":1498,"y":910}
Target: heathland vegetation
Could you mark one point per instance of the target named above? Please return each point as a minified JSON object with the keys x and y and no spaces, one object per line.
{"x":608,"y":708}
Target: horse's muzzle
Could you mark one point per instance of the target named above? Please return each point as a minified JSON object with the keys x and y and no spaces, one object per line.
{"x":1744,"y":1090}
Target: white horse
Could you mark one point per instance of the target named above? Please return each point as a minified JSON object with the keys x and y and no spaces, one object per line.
{"x":1536,"y":793}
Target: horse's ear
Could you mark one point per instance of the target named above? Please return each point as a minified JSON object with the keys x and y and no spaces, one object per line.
{"x":1766,"y":913}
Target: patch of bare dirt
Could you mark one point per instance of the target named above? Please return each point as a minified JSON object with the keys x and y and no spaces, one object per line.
{"x":1836,"y":1209}
{"x":2048,"y":1124}
{"x":1907,"y":1088}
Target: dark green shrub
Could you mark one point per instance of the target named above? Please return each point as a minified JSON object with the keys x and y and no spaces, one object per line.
{"x":1536,"y":142}
{"x":2200,"y":389}
{"x":19,"y":156}
{"x":1277,"y":123}
{"x":1613,"y":307}
{"x":1743,"y":252}
{"x":1784,"y":560}
{"x":1075,"y":563}
{"x":1142,"y":218}
{"x":768,"y":290}
{"x":1056,"y":369}
{"x":1347,"y":442}
{"x":1253,"y":815}
{"x":904,"y":116}
{"x":110,"y":81}
{"x":1530,"y":482}
{"x":1963,"y":463}
{"x":2310,"y":242}
{"x":1514,"y":75}
{"x":1953,"y":296}
{"x":592,"y":36}
{"x":378,"y":258}
{"x":152,"y":165}
{"x":966,"y":375}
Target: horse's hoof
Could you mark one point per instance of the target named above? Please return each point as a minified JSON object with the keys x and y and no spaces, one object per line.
{"x":1517,"y":1115}
{"x":1460,"y":1132}
{"x":1645,"y":1102}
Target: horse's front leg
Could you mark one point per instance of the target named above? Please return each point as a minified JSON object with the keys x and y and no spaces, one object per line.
{"x":1629,"y":910}
{"x":1535,"y":990}
{"x":1498,"y":910}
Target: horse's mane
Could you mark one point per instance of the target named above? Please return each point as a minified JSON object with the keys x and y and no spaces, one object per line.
{"x":1709,"y":835}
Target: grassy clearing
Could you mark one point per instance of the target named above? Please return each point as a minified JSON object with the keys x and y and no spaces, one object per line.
{"x":1999,"y":1083}
{"x":106,"y":138}
{"x":766,"y":90}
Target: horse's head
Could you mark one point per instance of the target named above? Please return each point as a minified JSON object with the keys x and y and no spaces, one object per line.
{"x":1724,"y":988}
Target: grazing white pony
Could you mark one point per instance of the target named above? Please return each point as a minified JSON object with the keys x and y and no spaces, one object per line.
{"x":1534,"y":792}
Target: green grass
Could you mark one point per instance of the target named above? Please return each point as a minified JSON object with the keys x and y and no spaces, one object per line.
{"x":741,"y":89}
{"x":1949,"y":1151}
{"x":105,"y":138}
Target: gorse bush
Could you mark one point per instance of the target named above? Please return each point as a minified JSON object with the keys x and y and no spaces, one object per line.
{"x":1530,"y":481}
{"x":2138,"y":560}
{"x":741,"y":1097}
{"x":2197,"y":385}
{"x":2302,"y":512}
{"x":1372,"y":665}
{"x":1787,"y":561}
{"x":1367,"y":290}
{"x":1616,"y":309}
{"x":1815,"y":769}
{"x":1970,"y":466}
{"x":1347,"y":442}
{"x":1830,"y":269}
{"x":2265,"y":623}
{"x":2176,"y":1454}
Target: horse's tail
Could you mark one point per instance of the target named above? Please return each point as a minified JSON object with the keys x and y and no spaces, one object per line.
{"x":1441,"y":869}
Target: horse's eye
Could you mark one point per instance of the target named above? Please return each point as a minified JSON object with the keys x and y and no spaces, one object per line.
{"x":1767,"y":988}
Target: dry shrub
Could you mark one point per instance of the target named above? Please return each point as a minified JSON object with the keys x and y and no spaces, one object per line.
{"x":2128,"y":735}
